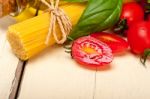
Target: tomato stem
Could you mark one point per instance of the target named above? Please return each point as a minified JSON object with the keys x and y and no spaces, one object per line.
{"x":69,"y":38}
{"x":144,"y":57}
{"x":147,"y":8}
{"x":121,"y":26}
{"x":67,"y":47}
{"x":68,"y":51}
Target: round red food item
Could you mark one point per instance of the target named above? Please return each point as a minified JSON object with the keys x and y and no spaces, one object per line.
{"x":91,"y":52}
{"x":132,"y":12}
{"x":139,"y":36}
{"x":115,"y":42}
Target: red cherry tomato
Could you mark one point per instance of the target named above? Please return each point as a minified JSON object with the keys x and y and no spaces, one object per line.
{"x":132,"y":12}
{"x":139,"y":36}
{"x":115,"y":42}
{"x":91,"y":52}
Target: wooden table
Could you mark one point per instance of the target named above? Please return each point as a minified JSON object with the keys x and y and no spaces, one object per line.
{"x":54,"y":75}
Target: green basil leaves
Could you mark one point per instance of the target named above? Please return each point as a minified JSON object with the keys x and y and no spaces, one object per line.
{"x":99,"y":15}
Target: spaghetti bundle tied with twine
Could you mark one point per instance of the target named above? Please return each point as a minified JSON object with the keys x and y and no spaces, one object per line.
{"x":59,"y":16}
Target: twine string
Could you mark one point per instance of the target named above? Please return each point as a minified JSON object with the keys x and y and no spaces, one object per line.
{"x":59,"y":16}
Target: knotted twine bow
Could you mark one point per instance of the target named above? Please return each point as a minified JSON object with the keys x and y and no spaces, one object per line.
{"x":57,"y":15}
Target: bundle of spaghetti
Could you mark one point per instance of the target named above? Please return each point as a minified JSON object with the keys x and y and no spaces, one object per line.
{"x":27,"y":38}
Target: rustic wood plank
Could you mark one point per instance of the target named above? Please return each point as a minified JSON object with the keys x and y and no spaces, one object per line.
{"x":126,"y":79}
{"x":8,"y":61}
{"x":54,"y":75}
{"x":17,"y":80}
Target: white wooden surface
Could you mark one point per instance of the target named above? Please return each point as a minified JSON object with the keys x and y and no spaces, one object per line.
{"x":54,"y":75}
{"x":8,"y":62}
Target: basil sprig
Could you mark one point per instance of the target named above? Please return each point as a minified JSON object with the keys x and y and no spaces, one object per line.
{"x":99,"y":15}
{"x":145,"y":55}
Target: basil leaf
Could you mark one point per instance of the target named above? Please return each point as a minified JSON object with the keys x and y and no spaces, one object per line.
{"x":76,"y":0}
{"x":99,"y":15}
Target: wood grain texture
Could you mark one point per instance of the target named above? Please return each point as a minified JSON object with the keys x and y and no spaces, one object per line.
{"x":8,"y":62}
{"x":53,"y":75}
